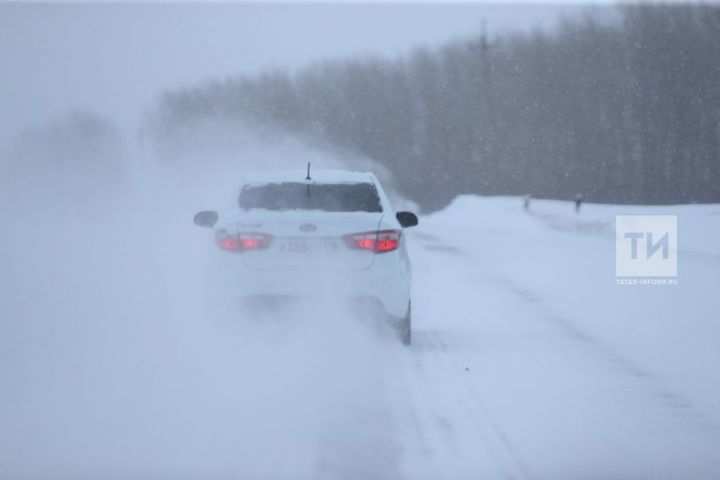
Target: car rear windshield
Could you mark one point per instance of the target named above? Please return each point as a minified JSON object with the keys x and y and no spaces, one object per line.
{"x":340,"y":197}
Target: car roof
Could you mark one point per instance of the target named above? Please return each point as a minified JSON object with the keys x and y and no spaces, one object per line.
{"x":316,"y":176}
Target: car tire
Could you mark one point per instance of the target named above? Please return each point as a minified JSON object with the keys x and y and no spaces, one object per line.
{"x":405,"y":327}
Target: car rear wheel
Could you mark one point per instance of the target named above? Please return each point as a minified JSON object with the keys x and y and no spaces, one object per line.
{"x":405,"y":327}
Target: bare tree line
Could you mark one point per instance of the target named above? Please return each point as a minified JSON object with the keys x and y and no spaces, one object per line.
{"x":624,"y":111}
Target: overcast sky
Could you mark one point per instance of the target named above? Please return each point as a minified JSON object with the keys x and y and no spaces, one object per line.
{"x":114,"y":58}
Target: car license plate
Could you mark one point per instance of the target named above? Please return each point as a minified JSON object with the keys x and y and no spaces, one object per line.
{"x":309,"y":246}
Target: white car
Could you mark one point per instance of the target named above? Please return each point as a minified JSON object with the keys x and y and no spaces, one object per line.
{"x":332,"y":234}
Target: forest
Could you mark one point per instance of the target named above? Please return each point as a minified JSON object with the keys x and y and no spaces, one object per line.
{"x":619,"y":109}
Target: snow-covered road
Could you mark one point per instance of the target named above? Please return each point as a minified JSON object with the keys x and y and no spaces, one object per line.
{"x":528,"y":360}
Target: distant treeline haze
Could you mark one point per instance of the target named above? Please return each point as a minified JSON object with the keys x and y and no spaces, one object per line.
{"x":623,"y":110}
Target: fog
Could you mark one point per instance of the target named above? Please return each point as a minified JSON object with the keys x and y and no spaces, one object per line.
{"x":123,"y":353}
{"x":114,"y":58}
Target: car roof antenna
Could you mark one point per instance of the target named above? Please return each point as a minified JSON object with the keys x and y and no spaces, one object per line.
{"x":308,"y":173}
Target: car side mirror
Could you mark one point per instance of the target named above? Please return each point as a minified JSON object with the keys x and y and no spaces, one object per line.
{"x":206,"y":218}
{"x":406,"y":219}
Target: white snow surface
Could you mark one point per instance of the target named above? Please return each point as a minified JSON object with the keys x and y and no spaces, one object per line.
{"x":121,"y":356}
{"x":556,"y":371}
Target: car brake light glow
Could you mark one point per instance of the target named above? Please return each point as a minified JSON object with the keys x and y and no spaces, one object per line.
{"x":365,"y":243}
{"x":249,"y":243}
{"x":242,"y":242}
{"x":228,"y":244}
{"x":379,"y":242}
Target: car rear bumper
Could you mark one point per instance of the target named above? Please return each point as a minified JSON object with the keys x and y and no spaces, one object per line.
{"x":389,"y":289}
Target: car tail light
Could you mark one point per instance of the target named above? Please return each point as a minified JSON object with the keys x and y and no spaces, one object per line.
{"x":379,"y":242}
{"x":242,"y":242}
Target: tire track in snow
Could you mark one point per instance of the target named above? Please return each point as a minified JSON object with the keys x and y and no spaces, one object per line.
{"x":467,"y":441}
{"x":514,"y":467}
{"x":421,"y":448}
{"x":652,"y":383}
{"x":660,"y":393}
{"x":505,"y":461}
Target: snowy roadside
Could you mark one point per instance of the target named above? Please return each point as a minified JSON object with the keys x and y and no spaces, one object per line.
{"x":620,"y":380}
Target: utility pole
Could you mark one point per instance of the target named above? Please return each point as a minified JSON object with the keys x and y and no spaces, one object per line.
{"x":486,"y":122}
{"x":483,"y":35}
{"x":487,"y":73}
